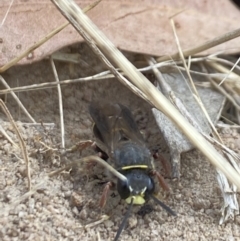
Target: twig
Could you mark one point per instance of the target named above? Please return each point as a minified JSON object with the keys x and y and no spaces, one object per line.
{"x":101,"y":220}
{"x":21,"y":141}
{"x":224,"y":61}
{"x":212,"y":43}
{"x":39,"y":124}
{"x":59,"y":102}
{"x":224,"y":92}
{"x":228,"y":120}
{"x":17,"y":100}
{"x":222,"y":125}
{"x":89,"y":159}
{"x":230,"y":71}
{"x":233,"y":78}
{"x":107,"y":75}
{"x":100,"y":76}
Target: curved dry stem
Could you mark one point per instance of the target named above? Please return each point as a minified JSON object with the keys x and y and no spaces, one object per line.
{"x":21,"y":141}
{"x":89,"y":159}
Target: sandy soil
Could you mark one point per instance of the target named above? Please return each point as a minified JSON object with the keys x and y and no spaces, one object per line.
{"x":62,"y":207}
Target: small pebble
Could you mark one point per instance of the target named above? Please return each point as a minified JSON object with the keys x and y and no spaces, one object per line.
{"x":108,"y":223}
{"x":132,"y":222}
{"x":178,"y":196}
{"x":83,"y":214}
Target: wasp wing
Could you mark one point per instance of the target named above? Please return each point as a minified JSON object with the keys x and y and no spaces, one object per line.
{"x":128,"y":126}
{"x":102,"y":128}
{"x":114,"y":123}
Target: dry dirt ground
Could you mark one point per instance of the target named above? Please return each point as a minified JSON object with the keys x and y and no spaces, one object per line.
{"x":62,"y":207}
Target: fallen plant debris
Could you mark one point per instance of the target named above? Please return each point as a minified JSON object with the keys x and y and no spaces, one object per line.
{"x":63,"y":200}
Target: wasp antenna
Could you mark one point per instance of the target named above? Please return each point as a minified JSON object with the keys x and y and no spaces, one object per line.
{"x":168,"y":209}
{"x":122,"y":226}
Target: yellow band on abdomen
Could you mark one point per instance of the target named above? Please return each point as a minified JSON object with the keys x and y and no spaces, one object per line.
{"x":135,"y":166}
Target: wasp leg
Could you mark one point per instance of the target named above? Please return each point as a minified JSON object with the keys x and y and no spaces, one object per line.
{"x":79,"y":146}
{"x":165,"y":164}
{"x":100,"y":152}
{"x":161,"y":180}
{"x":106,"y":189}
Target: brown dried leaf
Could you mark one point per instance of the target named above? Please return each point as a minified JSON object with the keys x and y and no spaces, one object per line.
{"x":133,"y":25}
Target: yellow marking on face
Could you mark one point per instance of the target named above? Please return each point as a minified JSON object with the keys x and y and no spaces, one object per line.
{"x":135,"y":166}
{"x":139,"y":200}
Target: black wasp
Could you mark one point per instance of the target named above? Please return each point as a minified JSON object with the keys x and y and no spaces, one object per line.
{"x":129,"y":159}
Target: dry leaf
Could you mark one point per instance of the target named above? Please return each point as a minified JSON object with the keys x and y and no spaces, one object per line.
{"x":133,"y":25}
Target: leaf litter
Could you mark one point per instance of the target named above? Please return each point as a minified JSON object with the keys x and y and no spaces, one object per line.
{"x":196,"y":196}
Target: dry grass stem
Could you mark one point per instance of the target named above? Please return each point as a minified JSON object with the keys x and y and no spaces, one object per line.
{"x":5,"y":16}
{"x":39,"y":124}
{"x":183,"y":59}
{"x":4,"y":133}
{"x":42,"y":41}
{"x":230,"y":207}
{"x":100,"y":76}
{"x":47,"y":148}
{"x":59,"y":102}
{"x":21,"y":141}
{"x":224,"y":61}
{"x":90,"y":159}
{"x":17,"y":100}
{"x":212,"y":43}
{"x":218,"y":76}
{"x":222,"y":146}
{"x":223,"y":125}
{"x":230,"y":84}
{"x":98,"y":236}
{"x":101,"y":220}
{"x":207,"y":116}
{"x":107,"y":75}
{"x":74,"y":14}
{"x":230,"y":71}
{"x":232,"y":79}
{"x":114,"y":71}
{"x":195,"y":95}
{"x":74,"y":58}
{"x":225,"y":93}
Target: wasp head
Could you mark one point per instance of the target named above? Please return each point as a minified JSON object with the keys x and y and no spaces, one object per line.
{"x":138,"y":186}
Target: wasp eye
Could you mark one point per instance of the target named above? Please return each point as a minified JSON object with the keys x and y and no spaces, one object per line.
{"x":150,"y":186}
{"x":123,"y":189}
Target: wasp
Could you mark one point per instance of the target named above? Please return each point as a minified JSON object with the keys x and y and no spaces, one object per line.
{"x":129,"y":159}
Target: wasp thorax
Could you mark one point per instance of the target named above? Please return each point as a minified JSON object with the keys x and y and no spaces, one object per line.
{"x":138,"y":186}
